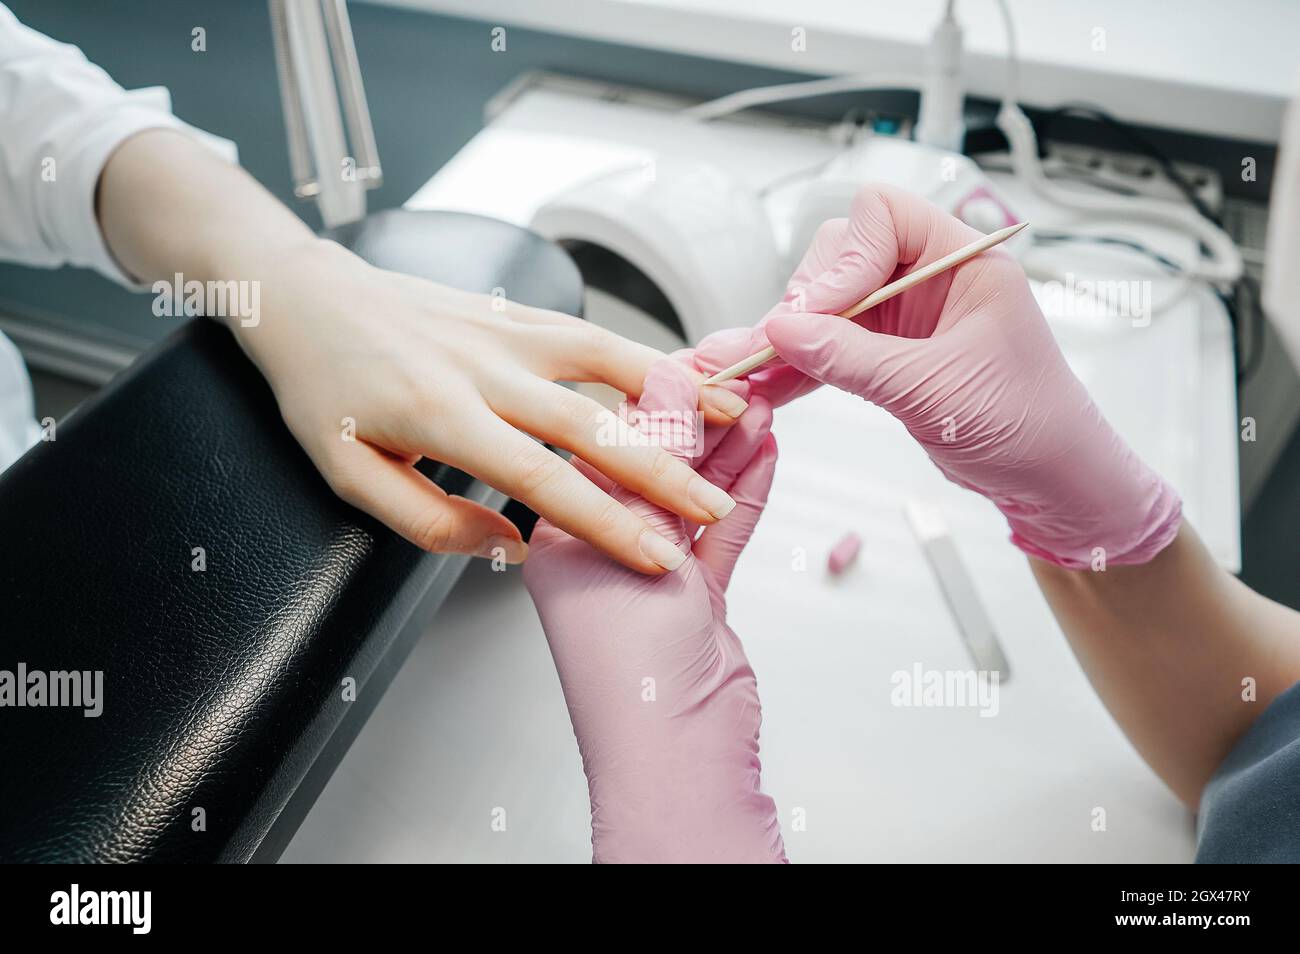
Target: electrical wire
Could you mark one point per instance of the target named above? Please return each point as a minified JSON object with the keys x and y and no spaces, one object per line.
{"x":1218,"y":262}
{"x":1224,"y":267}
{"x":1138,"y":142}
{"x":1249,"y":365}
{"x":786,"y":92}
{"x":1054,"y":238}
{"x":1247,"y":369}
{"x":1182,"y":281}
{"x":1223,"y":263}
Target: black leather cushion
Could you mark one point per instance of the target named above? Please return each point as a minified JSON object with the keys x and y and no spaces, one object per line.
{"x":222,"y":689}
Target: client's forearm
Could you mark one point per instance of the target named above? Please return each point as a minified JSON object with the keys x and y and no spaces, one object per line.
{"x":1184,"y":655}
{"x":217,"y":222}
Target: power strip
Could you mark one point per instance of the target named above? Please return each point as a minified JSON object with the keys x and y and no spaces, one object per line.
{"x":1130,"y":174}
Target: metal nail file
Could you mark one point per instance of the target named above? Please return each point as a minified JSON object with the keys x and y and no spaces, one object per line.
{"x":958,"y":588}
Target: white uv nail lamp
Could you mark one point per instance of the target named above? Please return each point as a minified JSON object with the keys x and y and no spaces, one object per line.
{"x":696,"y":223}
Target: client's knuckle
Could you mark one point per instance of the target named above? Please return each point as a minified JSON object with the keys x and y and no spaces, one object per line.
{"x":535,"y":471}
{"x":574,"y":414}
{"x":662,"y":464}
{"x":606,"y":519}
{"x":345,"y":482}
{"x":431,"y":529}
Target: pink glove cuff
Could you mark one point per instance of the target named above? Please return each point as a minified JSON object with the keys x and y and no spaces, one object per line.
{"x":1129,"y":541}
{"x":1084,"y":500}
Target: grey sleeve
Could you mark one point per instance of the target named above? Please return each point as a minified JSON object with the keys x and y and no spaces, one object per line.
{"x":1250,"y":810}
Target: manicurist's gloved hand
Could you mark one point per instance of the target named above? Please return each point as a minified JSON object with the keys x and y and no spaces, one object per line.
{"x":663,"y":702}
{"x":968,"y":364}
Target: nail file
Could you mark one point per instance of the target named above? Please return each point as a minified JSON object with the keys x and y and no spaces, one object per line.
{"x":958,"y":588}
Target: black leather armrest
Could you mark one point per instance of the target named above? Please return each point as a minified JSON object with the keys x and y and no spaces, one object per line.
{"x":223,"y":703}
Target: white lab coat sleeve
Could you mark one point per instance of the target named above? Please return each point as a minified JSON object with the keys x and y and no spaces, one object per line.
{"x":61,"y":118}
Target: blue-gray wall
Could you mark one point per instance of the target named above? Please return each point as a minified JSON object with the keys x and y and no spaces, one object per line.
{"x":427,"y":79}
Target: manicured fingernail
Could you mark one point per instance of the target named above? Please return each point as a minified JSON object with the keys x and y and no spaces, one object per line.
{"x":729,"y":404}
{"x":713,"y":499}
{"x":504,"y":548}
{"x":658,"y":550}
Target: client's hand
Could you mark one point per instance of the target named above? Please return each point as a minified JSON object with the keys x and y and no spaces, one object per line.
{"x":374,"y":370}
{"x":663,"y":701}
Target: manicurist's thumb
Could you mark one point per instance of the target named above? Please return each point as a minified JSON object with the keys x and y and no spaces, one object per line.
{"x":838,"y":352}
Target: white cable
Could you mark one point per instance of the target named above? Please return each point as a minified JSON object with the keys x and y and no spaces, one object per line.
{"x":1224,"y":263}
{"x":784,"y":92}
{"x":941,"y":119}
{"x":1011,"y":92}
{"x":1183,"y":282}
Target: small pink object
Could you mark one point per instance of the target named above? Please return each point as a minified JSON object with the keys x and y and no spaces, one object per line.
{"x":844,"y":553}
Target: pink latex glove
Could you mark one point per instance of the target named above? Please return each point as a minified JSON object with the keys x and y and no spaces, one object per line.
{"x":663,"y":702}
{"x":968,"y":364}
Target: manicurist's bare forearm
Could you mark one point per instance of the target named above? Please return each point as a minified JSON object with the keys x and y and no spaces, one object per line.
{"x":1168,"y":645}
{"x":166,"y":204}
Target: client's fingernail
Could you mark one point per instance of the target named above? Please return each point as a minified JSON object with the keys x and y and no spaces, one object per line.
{"x":729,"y":404}
{"x":504,"y":548}
{"x":713,"y":499}
{"x":658,"y":550}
